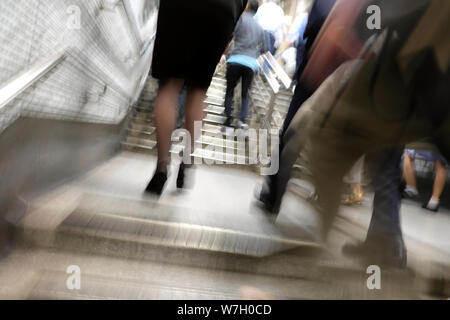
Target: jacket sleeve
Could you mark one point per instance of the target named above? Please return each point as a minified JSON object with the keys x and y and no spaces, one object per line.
{"x":264,"y":44}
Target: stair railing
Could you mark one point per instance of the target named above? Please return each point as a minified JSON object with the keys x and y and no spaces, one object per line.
{"x":275,"y":77}
{"x":25,"y":79}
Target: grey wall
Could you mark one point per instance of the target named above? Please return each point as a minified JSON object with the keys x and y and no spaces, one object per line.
{"x":71,"y":119}
{"x":103,"y":43}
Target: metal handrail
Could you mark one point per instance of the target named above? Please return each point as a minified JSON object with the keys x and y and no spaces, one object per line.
{"x":271,"y":79}
{"x":274,"y":74}
{"x":279,"y":72}
{"x":28,"y":77}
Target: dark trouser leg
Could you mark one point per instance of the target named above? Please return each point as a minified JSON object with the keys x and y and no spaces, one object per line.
{"x":301,"y":94}
{"x":232,"y":76}
{"x":247,"y":79}
{"x":386,"y":174}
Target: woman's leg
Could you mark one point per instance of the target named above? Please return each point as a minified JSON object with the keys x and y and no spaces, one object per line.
{"x":194,"y":110}
{"x":409,"y":172}
{"x":166,"y":110}
{"x":439,"y":180}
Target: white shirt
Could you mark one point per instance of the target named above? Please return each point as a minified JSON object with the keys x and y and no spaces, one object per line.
{"x":270,"y":16}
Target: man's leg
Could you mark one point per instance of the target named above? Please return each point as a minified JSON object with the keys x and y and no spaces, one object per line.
{"x":386,"y":174}
{"x":301,"y":94}
{"x":439,"y":184}
{"x":384,"y":241}
{"x":410,"y":175}
{"x":232,"y":79}
{"x":247,"y":79}
{"x":439,"y":180}
{"x":271,"y":193}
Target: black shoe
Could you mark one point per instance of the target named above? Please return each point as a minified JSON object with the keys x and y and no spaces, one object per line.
{"x":266,"y":197}
{"x":227,"y":124}
{"x":180,"y":177}
{"x":388,"y":252}
{"x":157,"y":183}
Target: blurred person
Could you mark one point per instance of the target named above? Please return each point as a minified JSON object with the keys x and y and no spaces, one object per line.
{"x":439,"y":180}
{"x":312,"y":26}
{"x":271,"y":18}
{"x":191,"y":38}
{"x":384,"y":244}
{"x":249,"y":44}
{"x":292,"y":50}
{"x":300,"y":42}
{"x":366,"y":106}
{"x":289,"y":60}
{"x":323,"y":55}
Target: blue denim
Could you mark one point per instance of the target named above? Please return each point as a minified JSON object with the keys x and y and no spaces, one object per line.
{"x":386,"y":174}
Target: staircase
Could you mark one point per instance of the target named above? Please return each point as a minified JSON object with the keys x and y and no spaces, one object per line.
{"x":130,"y":246}
{"x":205,"y":243}
{"x":141,"y":135}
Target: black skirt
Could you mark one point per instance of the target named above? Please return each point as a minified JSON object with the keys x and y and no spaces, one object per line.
{"x":191,"y":37}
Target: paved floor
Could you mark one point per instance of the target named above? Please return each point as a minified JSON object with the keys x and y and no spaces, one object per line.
{"x":207,"y":242}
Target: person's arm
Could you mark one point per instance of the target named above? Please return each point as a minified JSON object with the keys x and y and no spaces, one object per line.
{"x":228,"y":48}
{"x":264,"y":44}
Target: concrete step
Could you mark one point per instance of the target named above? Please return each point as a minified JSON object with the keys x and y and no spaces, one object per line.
{"x":228,"y":144}
{"x":214,"y":102}
{"x":140,"y":133}
{"x":141,"y":128}
{"x":143,"y":121}
{"x":136,"y":147}
{"x":143,"y":110}
{"x":140,"y":141}
{"x":213,"y":109}
{"x":166,"y":283}
{"x":143,"y":116}
{"x":143,"y":230}
{"x":104,"y":228}
{"x":214,"y":118}
{"x":219,"y":158}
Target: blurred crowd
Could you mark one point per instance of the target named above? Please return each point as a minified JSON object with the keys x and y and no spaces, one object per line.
{"x":370,"y":79}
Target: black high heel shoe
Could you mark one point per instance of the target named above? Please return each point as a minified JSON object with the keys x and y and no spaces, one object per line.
{"x":180,"y":177}
{"x":157,"y":183}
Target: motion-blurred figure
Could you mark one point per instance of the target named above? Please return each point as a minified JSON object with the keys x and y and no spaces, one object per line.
{"x":384,"y":244}
{"x":325,"y":52}
{"x":293,"y":49}
{"x":249,"y":44}
{"x":271,"y":18}
{"x":319,"y":13}
{"x":191,"y":38}
{"x":395,"y":93}
{"x":439,"y":180}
